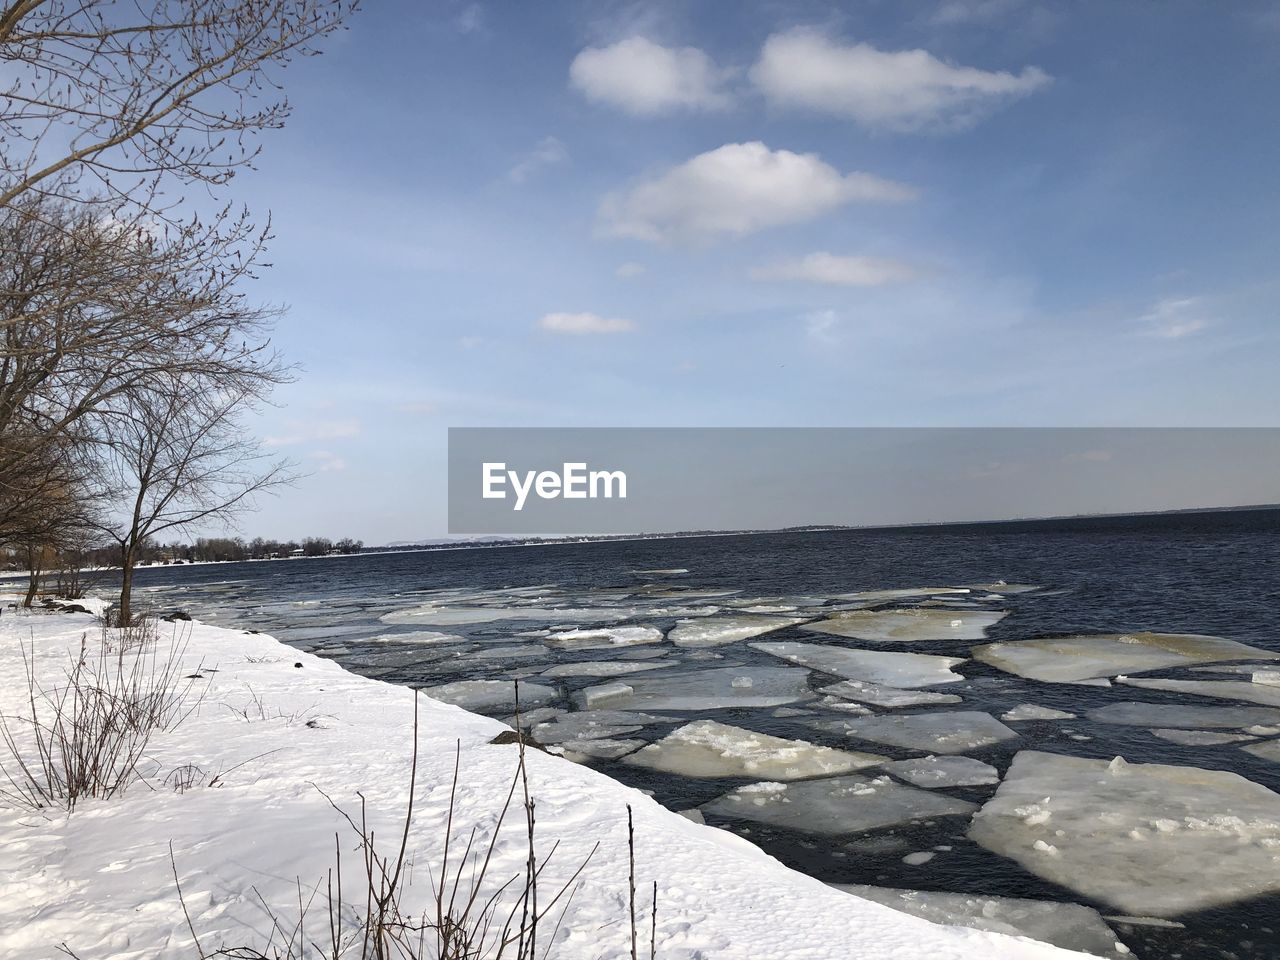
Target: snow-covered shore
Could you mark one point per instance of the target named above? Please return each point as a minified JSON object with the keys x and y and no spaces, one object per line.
{"x":282,"y":726}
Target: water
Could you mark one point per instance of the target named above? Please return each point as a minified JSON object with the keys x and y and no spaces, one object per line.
{"x":1212,"y":574}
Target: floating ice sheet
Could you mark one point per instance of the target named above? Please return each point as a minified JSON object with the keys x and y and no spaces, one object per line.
{"x":716,"y":631}
{"x":903,"y":593}
{"x":602,"y":668}
{"x":706,"y":748}
{"x":722,"y":687}
{"x":955,"y":732}
{"x":1269,"y":750}
{"x":450,"y":616}
{"x":932,"y":772}
{"x":1071,"y":926}
{"x":1033,"y":711}
{"x":879,"y":695}
{"x":489,"y":694}
{"x":836,"y":805}
{"x":592,"y":725}
{"x":1199,"y":738}
{"x":606,"y":638}
{"x":908,"y":670}
{"x":608,"y":749}
{"x":1077,"y":658}
{"x":1147,"y":839}
{"x":907,"y":626}
{"x":1223,"y":689}
{"x":1182,"y":717}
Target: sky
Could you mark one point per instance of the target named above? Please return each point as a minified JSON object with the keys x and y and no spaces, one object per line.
{"x":945,"y":213}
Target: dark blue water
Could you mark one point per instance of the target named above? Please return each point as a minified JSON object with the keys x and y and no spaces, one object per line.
{"x":1211,"y":573}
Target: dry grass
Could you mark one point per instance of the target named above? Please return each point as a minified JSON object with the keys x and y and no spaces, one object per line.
{"x":84,"y":738}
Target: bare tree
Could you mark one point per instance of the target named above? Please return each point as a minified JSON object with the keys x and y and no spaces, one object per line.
{"x":179,"y":456}
{"x":106,"y":100}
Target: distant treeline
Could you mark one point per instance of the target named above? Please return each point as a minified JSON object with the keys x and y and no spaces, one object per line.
{"x":203,"y":550}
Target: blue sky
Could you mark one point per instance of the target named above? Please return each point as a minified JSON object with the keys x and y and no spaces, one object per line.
{"x":962,"y":212}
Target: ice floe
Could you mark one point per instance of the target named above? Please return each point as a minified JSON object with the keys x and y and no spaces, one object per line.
{"x":907,"y":670}
{"x":1089,"y":657}
{"x":903,"y":593}
{"x":943,"y":772}
{"x":952,"y":732}
{"x":1182,"y":717}
{"x":489,"y":694}
{"x":1071,"y":926}
{"x":835,"y":805}
{"x":1033,"y":711}
{"x":606,"y":638}
{"x":1198,"y":738}
{"x":1147,"y":839}
{"x":607,"y":749}
{"x":602,"y":668}
{"x":716,"y":631}
{"x":1268,"y":750}
{"x":703,"y":690}
{"x":907,"y":626}
{"x":1223,"y":689}
{"x":457,"y":616}
{"x":706,"y":748}
{"x":877,"y":694}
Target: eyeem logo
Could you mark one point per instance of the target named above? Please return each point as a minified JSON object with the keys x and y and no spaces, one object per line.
{"x":574,"y":482}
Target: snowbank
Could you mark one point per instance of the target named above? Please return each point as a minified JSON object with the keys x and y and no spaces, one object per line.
{"x":281,"y":726}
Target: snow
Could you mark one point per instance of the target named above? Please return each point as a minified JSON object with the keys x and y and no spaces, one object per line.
{"x":879,"y":695}
{"x":1146,"y":839}
{"x":1077,"y":658}
{"x":936,"y":732}
{"x":706,"y":748}
{"x":1223,"y":689}
{"x":716,"y":689}
{"x":604,"y":639}
{"x":716,"y":631}
{"x":836,"y":805}
{"x":943,"y":772}
{"x":908,"y":626}
{"x":907,"y":670}
{"x":1182,"y":717}
{"x":1033,"y":711}
{"x":1069,"y":925}
{"x":100,"y":878}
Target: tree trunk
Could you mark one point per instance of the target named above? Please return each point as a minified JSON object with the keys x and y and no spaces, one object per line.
{"x":33,"y":585}
{"x":128,"y":557}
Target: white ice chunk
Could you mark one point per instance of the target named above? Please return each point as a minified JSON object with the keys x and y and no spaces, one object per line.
{"x":1269,"y":750}
{"x":879,"y":695}
{"x":606,"y":638}
{"x":1032,"y":711}
{"x":450,"y":616}
{"x":709,"y":689}
{"x":1178,"y":716}
{"x":1071,"y":926}
{"x":904,"y":593}
{"x":706,"y":748}
{"x":836,"y":805}
{"x":933,"y":771}
{"x":1079,"y":658}
{"x":955,"y":732}
{"x":909,"y":670}
{"x":489,"y":694}
{"x":607,"y":749}
{"x":907,"y":626}
{"x":1147,"y":839}
{"x":716,"y":631}
{"x":1223,"y":689}
{"x":602,"y":668}
{"x":1198,"y":738}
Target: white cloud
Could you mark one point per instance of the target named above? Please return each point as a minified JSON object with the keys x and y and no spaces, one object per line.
{"x":895,"y":90}
{"x":326,"y":461}
{"x":641,"y":77}
{"x":736,"y":190}
{"x":470,"y":19}
{"x":1174,"y":319}
{"x":839,"y":270}
{"x":822,"y":326}
{"x":302,"y":432}
{"x":549,"y":152}
{"x":630,"y":269}
{"x":952,"y":12}
{"x":583,"y":323}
